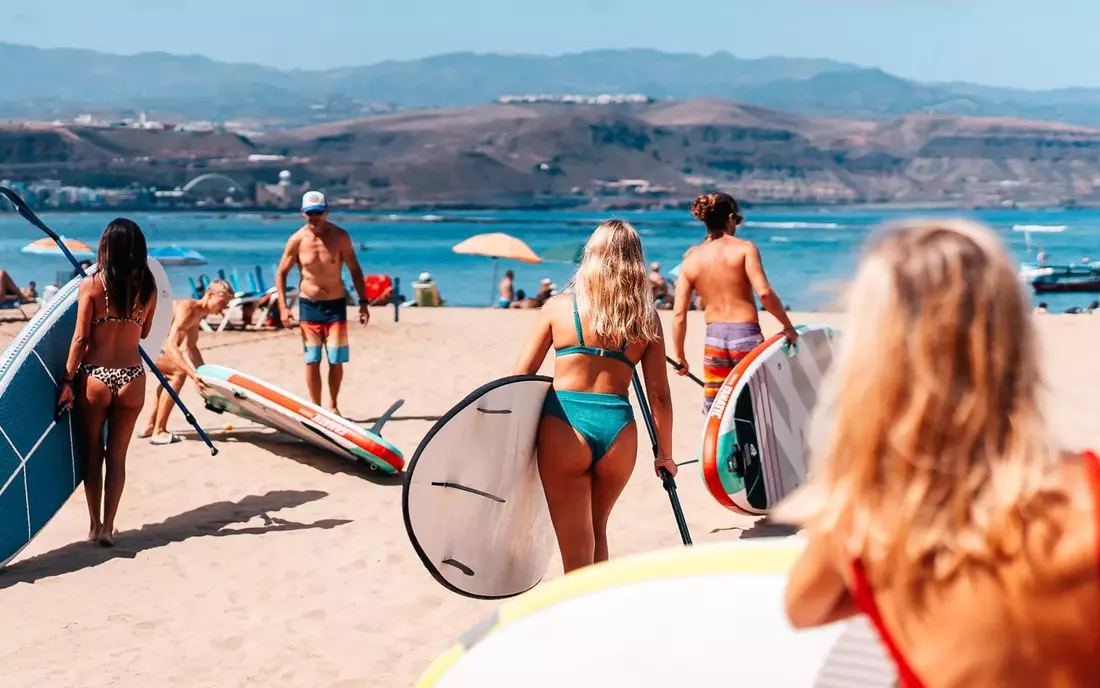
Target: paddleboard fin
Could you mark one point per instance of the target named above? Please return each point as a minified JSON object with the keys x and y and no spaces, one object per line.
{"x":471,"y":490}
{"x":377,"y":427}
{"x":460,"y":566}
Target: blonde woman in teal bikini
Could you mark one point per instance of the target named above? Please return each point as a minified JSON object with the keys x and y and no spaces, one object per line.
{"x":588,"y":439}
{"x":104,"y":374}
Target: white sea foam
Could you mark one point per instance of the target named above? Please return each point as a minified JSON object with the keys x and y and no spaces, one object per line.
{"x":793,"y":225}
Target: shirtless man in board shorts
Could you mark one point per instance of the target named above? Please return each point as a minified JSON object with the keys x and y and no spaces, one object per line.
{"x":725,"y":271}
{"x":320,"y":250}
{"x":181,"y":357}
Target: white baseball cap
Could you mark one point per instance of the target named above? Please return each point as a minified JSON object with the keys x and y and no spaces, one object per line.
{"x":425,"y":277}
{"x":314,"y":200}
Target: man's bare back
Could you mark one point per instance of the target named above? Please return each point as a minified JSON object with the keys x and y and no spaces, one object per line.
{"x":724,"y":271}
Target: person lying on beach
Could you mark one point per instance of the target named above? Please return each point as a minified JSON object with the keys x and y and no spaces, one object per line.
{"x":939,"y":503}
{"x":10,"y":291}
{"x":725,"y":271}
{"x":320,"y":250}
{"x":182,"y":358}
{"x":507,"y":290}
{"x":523,"y":302}
{"x":546,"y":290}
{"x":115,"y":309}
{"x":587,"y":438}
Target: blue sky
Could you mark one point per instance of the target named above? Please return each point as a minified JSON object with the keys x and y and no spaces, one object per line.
{"x":1020,"y":43}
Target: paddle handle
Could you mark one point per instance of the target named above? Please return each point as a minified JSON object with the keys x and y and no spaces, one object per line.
{"x":677,"y":366}
{"x":666,"y":478}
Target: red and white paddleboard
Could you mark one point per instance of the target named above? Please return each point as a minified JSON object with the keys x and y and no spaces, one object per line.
{"x":251,"y":398}
{"x":754,"y":438}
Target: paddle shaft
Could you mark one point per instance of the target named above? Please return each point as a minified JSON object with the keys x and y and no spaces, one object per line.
{"x":29,"y":216}
{"x":677,"y":366}
{"x":666,"y":478}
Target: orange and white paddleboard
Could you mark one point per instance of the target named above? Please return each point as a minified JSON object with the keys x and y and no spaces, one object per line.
{"x":252,"y":398}
{"x":754,"y":438}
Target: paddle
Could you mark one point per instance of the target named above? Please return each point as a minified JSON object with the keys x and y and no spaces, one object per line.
{"x":666,"y":478}
{"x":677,"y":366}
{"x":30,"y":217}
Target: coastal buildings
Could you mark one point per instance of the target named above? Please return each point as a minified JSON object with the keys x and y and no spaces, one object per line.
{"x":602,"y":99}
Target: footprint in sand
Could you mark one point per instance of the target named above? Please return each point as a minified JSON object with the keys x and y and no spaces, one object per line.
{"x":231,"y":644}
{"x":316,"y":615}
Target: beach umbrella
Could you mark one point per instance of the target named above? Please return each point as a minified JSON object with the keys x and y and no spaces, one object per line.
{"x":565,"y":253}
{"x":48,"y":247}
{"x":497,"y":245}
{"x":177,"y":255}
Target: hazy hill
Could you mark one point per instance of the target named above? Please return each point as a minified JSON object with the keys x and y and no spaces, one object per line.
{"x":523,"y":155}
{"x":44,"y":84}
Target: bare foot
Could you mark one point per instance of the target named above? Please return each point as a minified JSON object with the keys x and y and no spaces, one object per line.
{"x":335,"y":411}
{"x":147,"y":432}
{"x":93,"y":532}
{"x":106,"y":537}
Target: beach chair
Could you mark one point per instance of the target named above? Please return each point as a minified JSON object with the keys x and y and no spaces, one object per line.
{"x":426,"y":295}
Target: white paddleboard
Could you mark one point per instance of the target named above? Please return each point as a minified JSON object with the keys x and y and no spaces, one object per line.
{"x":162,"y":317}
{"x":252,"y":398}
{"x":754,"y":438}
{"x":473,"y":502}
{"x":711,"y":615}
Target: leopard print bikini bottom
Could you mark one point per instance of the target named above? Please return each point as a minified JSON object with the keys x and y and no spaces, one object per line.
{"x":114,"y":378}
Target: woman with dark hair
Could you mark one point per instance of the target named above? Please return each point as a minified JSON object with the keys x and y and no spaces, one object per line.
{"x":114,"y":313}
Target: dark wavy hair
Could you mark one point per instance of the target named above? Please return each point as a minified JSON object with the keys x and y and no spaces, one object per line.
{"x":124,"y":263}
{"x":714,"y":211}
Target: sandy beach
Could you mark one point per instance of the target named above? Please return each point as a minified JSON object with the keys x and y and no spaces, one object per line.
{"x":276,"y":564}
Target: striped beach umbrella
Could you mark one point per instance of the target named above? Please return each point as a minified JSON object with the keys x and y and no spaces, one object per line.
{"x":48,"y":247}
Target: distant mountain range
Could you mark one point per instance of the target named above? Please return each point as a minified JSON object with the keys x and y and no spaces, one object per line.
{"x":44,"y":84}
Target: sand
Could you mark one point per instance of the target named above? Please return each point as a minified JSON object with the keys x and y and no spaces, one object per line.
{"x":275,"y":564}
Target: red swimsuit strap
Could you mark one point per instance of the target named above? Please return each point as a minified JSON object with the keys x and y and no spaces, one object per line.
{"x":865,"y":598}
{"x":865,"y":601}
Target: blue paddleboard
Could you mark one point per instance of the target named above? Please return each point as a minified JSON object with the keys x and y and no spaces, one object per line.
{"x":41,"y":460}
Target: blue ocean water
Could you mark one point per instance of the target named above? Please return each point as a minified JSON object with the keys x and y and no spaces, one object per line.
{"x":808,"y":253}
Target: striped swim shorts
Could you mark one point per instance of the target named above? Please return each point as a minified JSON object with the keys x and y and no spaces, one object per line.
{"x":726,"y":345}
{"x":324,"y":325}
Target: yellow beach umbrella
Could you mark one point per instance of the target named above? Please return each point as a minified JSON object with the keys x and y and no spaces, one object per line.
{"x":497,"y":245}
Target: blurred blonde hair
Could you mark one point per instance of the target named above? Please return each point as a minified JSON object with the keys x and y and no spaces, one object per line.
{"x":931,"y":450}
{"x":220,"y":285}
{"x":612,"y":286}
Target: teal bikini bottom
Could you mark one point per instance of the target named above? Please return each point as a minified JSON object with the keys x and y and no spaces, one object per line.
{"x":599,"y":418}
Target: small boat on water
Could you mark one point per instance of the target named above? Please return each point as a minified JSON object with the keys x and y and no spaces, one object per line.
{"x":1066,"y":278}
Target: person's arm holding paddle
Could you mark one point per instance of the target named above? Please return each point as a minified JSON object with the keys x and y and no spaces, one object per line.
{"x":286,"y":264}
{"x":681,"y":304}
{"x":85,"y":309}
{"x":754,"y":268}
{"x":660,"y":400}
{"x":347,"y":251}
{"x":538,"y":344}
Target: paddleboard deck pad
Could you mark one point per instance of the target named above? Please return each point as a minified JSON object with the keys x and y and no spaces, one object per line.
{"x":248,"y":397}
{"x":42,"y":459}
{"x":598,"y":625}
{"x":473,"y":502}
{"x":754,"y":438}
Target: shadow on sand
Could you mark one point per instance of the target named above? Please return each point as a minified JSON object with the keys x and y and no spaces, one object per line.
{"x":308,"y":455}
{"x":761,"y":529}
{"x":205,"y":521}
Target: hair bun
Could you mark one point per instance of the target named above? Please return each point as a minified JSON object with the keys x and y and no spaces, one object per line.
{"x":703,"y":206}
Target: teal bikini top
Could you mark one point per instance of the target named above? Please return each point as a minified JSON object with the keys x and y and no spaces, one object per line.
{"x":619,"y":355}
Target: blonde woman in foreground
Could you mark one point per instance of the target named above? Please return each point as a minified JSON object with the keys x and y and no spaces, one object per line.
{"x":940,"y":505}
{"x":588,"y":440}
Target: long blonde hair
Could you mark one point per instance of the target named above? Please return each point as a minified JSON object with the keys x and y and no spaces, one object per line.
{"x":612,"y":286}
{"x":932,"y":452}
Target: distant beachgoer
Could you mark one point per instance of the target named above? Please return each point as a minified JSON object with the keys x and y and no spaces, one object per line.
{"x":938,"y":502}
{"x":588,"y":440}
{"x":507,"y":289}
{"x":1042,"y":307}
{"x":658,"y":284}
{"x":320,"y":250}
{"x":182,"y":358}
{"x":725,"y":271}
{"x":1093,"y":307}
{"x":115,"y":309}
{"x":10,"y":291}
{"x":523,"y":302}
{"x":546,"y":290}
